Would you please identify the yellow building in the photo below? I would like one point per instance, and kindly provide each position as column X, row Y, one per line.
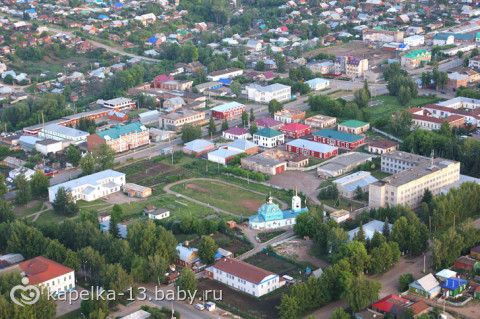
column 407, row 186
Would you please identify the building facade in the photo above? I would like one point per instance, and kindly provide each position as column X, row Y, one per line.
column 351, row 66
column 415, row 58
column 63, row 133
column 265, row 94
column 320, row 121
column 121, row 138
column 313, row 149
column 339, row 139
column 228, row 110
column 267, row 137
column 175, row 121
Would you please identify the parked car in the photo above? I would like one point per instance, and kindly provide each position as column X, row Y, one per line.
column 210, row 306
column 199, row 306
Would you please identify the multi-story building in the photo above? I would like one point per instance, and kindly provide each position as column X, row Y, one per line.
column 339, row 139
column 415, row 58
column 244, row 277
column 58, row 132
column 289, row 116
column 118, row 104
column 322, row 67
column 121, row 138
column 267, row 137
column 228, row 110
column 412, row 175
column 224, row 74
column 91, row 187
column 176, row 120
column 265, row 94
column 424, row 119
column 353, row 126
column 351, row 66
column 295, row 130
column 48, row 274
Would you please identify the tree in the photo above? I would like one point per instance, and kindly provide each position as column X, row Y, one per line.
column 87, row 164
column 360, row 235
column 280, row 62
column 3, row 185
column 224, row 125
column 289, row 307
column 404, row 280
column 361, row 97
column 252, row 115
column 212, row 128
column 361, row 292
column 39, row 184
column 24, row 191
column 253, row 128
column 114, row 277
column 94, row 307
column 207, row 249
column 190, row 133
column 357, row 256
column 115, row 218
column 6, row 212
column 260, row 66
column 64, row 203
column 274, row 106
column 187, row 281
column 236, row 88
column 340, row 313
column 73, row 155
column 427, row 197
column 386, row 228
column 245, row 118
column 104, row 157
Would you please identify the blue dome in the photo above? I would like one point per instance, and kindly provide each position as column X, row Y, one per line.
column 270, row 211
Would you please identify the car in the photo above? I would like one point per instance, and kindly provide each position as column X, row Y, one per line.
column 210, row 306
column 199, row 306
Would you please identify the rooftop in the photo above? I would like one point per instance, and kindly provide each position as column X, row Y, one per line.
column 120, row 130
column 337, row 135
column 227, row 106
column 268, row 132
column 313, row 146
column 41, row 269
column 353, row 123
column 243, row 270
column 64, row 130
column 93, row 179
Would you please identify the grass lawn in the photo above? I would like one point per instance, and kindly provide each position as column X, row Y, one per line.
column 266, row 236
column 31, row 208
column 50, row 217
column 379, row 174
column 235, row 200
column 342, row 203
column 386, row 105
column 278, row 265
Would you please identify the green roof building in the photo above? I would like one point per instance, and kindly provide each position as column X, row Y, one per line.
column 353, row 126
column 267, row 137
column 120, row 138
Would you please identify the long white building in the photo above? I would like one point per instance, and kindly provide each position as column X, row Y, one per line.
column 91, row 187
column 58, row 132
column 265, row 94
column 244, row 277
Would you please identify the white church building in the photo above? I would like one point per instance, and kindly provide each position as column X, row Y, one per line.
column 270, row 216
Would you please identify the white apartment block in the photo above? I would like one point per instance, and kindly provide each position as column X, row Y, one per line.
column 224, row 74
column 351, row 66
column 176, row 120
column 63, row 133
column 91, row 187
column 461, row 102
column 268, row 138
column 399, row 161
column 244, row 277
column 410, row 180
column 265, row 94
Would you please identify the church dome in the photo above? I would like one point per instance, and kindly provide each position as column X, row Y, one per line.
column 270, row 211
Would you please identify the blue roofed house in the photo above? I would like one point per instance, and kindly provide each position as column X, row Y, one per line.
column 187, row 256
column 270, row 216
column 427, row 286
column 452, row 287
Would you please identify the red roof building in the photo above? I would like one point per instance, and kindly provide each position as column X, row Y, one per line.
column 464, row 263
column 159, row 79
column 391, row 304
column 48, row 273
column 295, row 130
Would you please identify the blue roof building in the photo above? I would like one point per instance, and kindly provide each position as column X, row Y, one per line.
column 270, row 216
column 452, row 287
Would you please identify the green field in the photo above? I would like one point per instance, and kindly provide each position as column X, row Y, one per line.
column 227, row 197
column 387, row 105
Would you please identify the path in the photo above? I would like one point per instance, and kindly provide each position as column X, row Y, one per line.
column 258, row 247
column 45, row 206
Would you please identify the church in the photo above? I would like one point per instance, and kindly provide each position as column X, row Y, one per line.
column 270, row 216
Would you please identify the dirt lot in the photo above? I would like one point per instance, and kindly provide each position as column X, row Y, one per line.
column 149, row 173
column 278, row 265
column 357, row 48
column 241, row 303
column 120, row 198
column 299, row 249
column 305, row 182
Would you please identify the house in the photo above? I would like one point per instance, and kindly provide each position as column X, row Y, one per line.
column 149, row 117
column 134, row 190
column 415, row 58
column 235, row 133
column 198, row 147
column 289, row 115
column 464, row 263
column 369, row 229
column 265, row 94
column 48, row 146
column 63, row 133
column 351, row 66
column 339, row 139
column 228, row 110
column 392, row 305
column 244, row 277
column 313, row 149
column 419, row 308
column 320, row 121
column 90, row 187
column 348, row 185
column 339, row 216
column 176, row 120
column 268, row 122
column 254, row 45
column 353, row 127
column 223, row 155
column 155, row 213
column 118, row 104
column 224, row 74
column 173, row 104
column 295, row 130
column 187, row 256
column 426, row 286
column 265, row 164
column 243, row 146
column 382, row 146
column 48, row 274
column 424, row 118
column 452, row 287
column 318, row 84
column 117, row 116
column 444, row 274
column 120, row 138
column 267, row 137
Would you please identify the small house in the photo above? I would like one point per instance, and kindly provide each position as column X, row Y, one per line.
column 187, row 256
column 135, row 190
column 156, row 213
column 426, row 286
column 464, row 263
column 452, row 287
